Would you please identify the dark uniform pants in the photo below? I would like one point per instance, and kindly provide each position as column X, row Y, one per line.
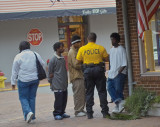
column 60, row 102
column 95, row 76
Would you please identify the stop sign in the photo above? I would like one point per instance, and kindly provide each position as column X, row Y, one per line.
column 35, row 36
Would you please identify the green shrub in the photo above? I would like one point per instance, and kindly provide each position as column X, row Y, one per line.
column 157, row 99
column 139, row 102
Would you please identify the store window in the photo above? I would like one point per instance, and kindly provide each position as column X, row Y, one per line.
column 150, row 56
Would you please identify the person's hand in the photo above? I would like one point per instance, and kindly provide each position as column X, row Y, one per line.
column 50, row 75
column 13, row 87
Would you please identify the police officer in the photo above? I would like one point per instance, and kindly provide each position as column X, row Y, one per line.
column 93, row 56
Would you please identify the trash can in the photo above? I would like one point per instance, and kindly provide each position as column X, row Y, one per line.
column 2, row 84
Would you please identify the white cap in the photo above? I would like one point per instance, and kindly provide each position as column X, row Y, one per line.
column 75, row 41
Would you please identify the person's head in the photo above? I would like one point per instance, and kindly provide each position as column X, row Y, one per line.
column 115, row 38
column 24, row 45
column 58, row 47
column 92, row 37
column 76, row 41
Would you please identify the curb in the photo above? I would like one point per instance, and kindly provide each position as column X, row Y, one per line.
column 10, row 89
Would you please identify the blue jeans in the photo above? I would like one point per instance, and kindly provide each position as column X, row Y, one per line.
column 27, row 96
column 116, row 87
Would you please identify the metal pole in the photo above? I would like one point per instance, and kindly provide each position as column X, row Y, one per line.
column 127, row 45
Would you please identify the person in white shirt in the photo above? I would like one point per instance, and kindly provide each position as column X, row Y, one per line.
column 117, row 73
column 24, row 68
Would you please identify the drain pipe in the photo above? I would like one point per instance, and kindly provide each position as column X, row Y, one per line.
column 127, row 45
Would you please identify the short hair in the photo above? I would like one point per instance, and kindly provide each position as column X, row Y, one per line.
column 24, row 45
column 75, row 37
column 92, row 37
column 116, row 36
column 57, row 45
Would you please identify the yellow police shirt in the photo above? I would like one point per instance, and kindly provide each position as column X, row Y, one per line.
column 91, row 53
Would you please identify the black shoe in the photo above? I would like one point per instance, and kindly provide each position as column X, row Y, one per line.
column 90, row 116
column 106, row 115
column 65, row 116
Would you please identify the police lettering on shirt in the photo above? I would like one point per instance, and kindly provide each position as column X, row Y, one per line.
column 91, row 52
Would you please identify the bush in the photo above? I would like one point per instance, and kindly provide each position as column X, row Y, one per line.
column 157, row 99
column 139, row 102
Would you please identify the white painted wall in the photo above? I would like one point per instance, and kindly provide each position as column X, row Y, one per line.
column 103, row 26
column 14, row 31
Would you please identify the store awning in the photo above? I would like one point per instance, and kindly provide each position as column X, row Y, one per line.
column 26, row 9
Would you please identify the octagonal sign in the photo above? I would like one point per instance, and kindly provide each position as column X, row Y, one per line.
column 35, row 36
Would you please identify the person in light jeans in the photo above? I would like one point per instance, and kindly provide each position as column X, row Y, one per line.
column 24, row 67
column 117, row 73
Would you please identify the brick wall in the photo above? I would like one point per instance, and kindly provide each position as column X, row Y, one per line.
column 149, row 82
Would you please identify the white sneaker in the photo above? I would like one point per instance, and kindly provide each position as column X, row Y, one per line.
column 116, row 109
column 29, row 117
column 80, row 114
column 121, row 106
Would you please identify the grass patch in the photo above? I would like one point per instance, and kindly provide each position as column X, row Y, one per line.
column 121, row 116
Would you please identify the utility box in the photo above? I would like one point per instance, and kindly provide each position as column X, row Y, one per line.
column 2, row 83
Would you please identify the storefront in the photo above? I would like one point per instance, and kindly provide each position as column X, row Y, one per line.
column 143, row 54
column 81, row 17
column 52, row 24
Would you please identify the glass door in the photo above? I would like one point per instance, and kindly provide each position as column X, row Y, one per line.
column 72, row 25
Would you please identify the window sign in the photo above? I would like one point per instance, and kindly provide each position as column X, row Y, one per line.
column 61, row 33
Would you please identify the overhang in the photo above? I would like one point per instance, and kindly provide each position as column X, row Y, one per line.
column 28, row 9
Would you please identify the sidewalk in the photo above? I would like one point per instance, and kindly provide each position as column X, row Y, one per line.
column 11, row 114
column 8, row 86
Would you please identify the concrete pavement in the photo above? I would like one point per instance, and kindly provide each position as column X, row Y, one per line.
column 11, row 113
